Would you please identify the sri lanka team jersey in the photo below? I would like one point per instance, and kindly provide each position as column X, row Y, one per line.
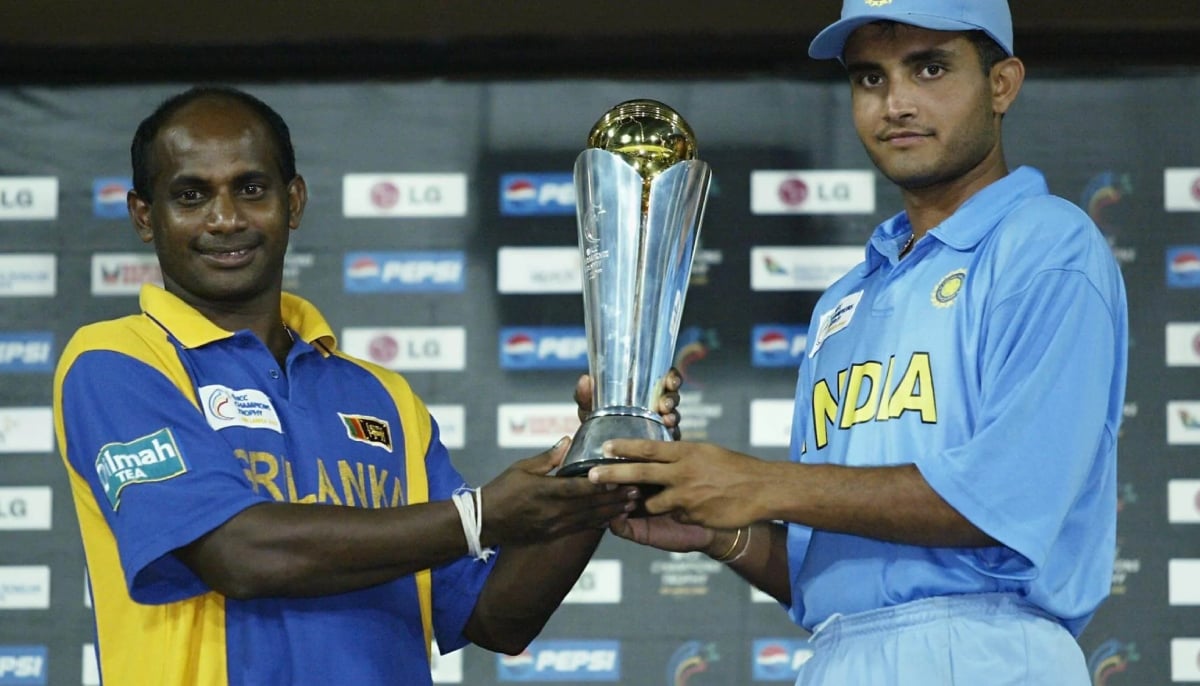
column 169, row 426
column 992, row 357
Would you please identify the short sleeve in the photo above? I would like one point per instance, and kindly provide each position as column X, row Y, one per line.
column 1048, row 355
column 159, row 474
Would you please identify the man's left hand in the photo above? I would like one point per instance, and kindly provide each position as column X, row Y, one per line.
column 668, row 402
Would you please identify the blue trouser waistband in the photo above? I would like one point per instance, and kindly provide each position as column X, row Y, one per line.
column 923, row 611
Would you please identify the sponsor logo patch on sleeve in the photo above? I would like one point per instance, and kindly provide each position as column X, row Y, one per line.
column 155, row 457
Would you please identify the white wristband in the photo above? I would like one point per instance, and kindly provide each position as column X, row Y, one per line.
column 469, row 502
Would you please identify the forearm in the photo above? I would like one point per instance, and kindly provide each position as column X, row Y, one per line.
column 283, row 549
column 763, row 562
column 887, row 503
column 526, row 586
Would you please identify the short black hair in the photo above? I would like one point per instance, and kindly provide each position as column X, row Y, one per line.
column 141, row 150
column 990, row 52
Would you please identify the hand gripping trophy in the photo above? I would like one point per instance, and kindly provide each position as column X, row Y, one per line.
column 639, row 195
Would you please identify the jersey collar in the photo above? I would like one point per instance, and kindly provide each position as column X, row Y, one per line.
column 982, row 212
column 193, row 329
column 305, row 319
column 969, row 224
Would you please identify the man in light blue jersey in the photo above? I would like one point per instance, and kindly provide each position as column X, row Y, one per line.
column 948, row 515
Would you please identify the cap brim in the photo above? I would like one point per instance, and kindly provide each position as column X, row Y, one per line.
column 831, row 43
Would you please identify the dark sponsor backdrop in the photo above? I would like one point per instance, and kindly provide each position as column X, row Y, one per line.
column 491, row 160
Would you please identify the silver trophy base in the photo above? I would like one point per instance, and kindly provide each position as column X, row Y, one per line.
column 585, row 451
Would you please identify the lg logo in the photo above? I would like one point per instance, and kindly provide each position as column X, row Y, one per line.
column 16, row 199
column 17, row 508
column 25, row 508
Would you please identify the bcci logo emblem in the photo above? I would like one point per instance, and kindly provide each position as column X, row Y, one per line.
column 947, row 289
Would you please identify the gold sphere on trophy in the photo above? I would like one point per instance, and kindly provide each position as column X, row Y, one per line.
column 646, row 133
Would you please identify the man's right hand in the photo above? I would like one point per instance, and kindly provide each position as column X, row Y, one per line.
column 525, row 504
column 666, row 532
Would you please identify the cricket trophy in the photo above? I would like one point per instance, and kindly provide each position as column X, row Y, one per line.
column 639, row 198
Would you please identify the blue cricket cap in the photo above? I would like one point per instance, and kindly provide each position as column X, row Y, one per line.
column 990, row 16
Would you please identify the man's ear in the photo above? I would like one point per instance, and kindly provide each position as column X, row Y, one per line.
column 139, row 214
column 297, row 200
column 1006, row 78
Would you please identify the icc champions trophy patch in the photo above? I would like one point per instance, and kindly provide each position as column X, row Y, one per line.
column 947, row 289
column 368, row 430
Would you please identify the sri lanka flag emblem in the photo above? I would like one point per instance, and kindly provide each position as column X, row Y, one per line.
column 366, row 429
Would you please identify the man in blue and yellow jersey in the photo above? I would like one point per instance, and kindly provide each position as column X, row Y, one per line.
column 950, row 502
column 256, row 506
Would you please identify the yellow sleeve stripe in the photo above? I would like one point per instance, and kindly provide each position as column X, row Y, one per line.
column 418, row 432
column 197, row 656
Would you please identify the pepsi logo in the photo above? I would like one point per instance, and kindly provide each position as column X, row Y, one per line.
column 773, row 342
column 773, row 655
column 1186, row 261
column 363, row 267
column 111, row 193
column 519, row 344
column 520, row 190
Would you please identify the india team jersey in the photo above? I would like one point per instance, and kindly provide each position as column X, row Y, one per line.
column 169, row 426
column 992, row 357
